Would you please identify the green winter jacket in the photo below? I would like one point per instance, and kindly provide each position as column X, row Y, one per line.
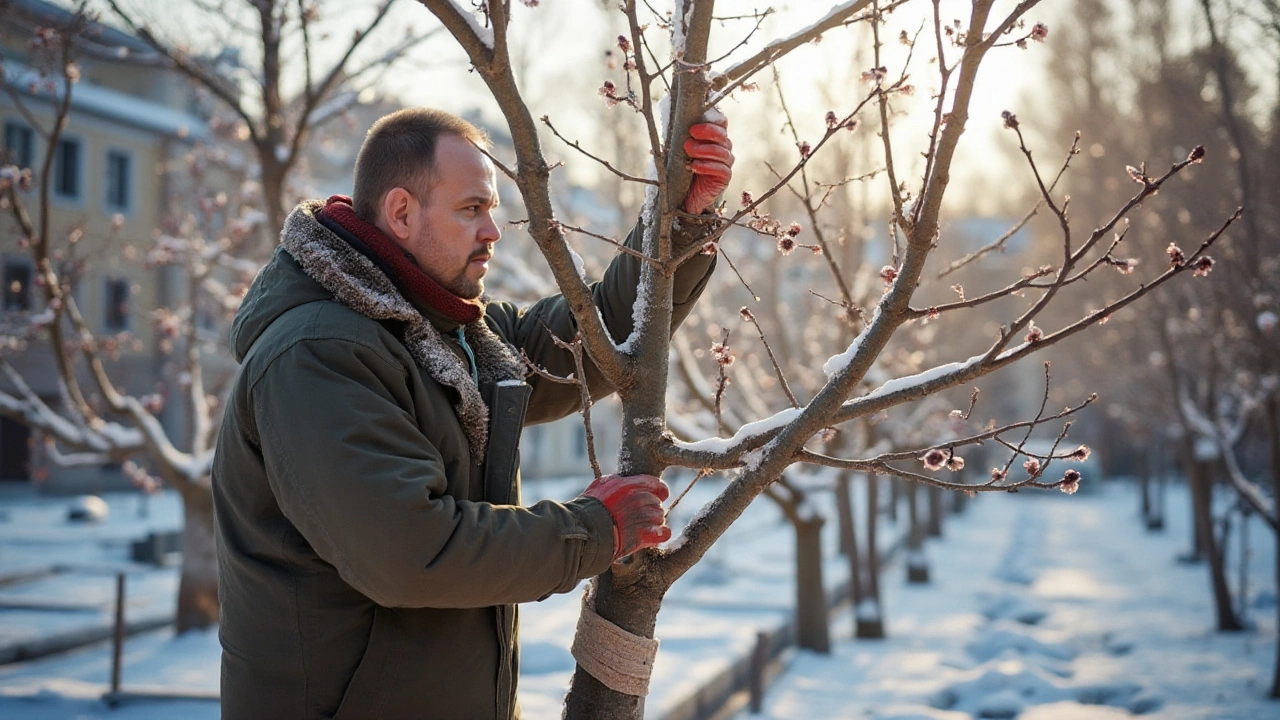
column 371, row 545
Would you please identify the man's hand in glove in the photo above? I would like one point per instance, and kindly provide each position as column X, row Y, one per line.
column 709, row 148
column 635, row 504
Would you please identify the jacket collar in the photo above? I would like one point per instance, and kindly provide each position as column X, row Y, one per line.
column 358, row 282
column 418, row 287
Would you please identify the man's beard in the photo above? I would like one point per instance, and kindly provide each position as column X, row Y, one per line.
column 463, row 286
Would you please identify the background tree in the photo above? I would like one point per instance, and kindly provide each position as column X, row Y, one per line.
column 271, row 67
column 1203, row 358
column 305, row 64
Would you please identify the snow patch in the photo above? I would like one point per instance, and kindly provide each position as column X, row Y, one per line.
column 578, row 264
column 751, row 429
column 484, row 33
column 921, row 378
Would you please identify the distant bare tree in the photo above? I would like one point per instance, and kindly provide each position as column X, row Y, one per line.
column 263, row 61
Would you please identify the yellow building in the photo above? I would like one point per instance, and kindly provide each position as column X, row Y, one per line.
column 110, row 191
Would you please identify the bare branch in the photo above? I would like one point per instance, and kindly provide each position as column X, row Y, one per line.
column 574, row 144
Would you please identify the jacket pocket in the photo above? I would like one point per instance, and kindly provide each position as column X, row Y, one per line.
column 376, row 672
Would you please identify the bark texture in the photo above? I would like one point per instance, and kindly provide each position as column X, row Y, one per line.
column 198, row 586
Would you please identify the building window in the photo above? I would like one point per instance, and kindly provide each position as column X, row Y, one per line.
column 17, row 285
column 117, row 314
column 67, row 175
column 119, row 181
column 20, row 142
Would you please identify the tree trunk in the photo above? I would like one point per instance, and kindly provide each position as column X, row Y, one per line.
column 198, row 586
column 1144, row 483
column 273, row 193
column 871, row 628
column 1199, row 526
column 1273, row 432
column 1202, row 502
column 812, row 626
column 935, row 511
column 849, row 535
column 895, row 491
column 634, row 608
column 917, row 565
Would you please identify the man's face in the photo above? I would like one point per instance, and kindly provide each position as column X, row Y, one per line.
column 452, row 233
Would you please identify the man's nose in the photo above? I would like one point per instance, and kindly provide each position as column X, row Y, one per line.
column 489, row 231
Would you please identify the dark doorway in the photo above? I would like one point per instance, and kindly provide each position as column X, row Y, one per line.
column 15, row 451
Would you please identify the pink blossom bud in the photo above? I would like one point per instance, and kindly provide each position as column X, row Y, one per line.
column 794, row 229
column 888, row 274
column 1070, row 482
column 746, row 198
column 1176, row 258
column 1197, row 154
column 1039, row 32
column 746, row 313
column 805, row 148
column 1032, row 466
column 1034, row 334
column 624, row 44
column 955, row 463
column 1203, row 265
column 786, row 244
column 832, row 120
column 1010, row 120
column 722, row 354
column 934, row 459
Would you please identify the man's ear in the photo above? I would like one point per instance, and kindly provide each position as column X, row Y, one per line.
column 396, row 208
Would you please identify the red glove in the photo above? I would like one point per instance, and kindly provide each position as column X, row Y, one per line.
column 635, row 504
column 708, row 147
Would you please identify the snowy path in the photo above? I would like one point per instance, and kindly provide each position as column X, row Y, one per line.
column 1045, row 607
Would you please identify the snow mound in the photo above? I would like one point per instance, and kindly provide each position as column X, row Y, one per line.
column 1000, row 641
column 1015, row 574
column 1011, row 689
column 1001, row 704
column 87, row 508
column 997, row 691
column 1117, row 645
column 1012, row 607
column 1118, row 694
column 915, row 712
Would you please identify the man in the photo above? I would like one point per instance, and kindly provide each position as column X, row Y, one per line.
column 371, row 544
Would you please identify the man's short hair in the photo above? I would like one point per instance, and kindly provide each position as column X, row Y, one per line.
column 400, row 151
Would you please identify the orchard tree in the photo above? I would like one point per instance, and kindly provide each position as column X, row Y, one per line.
column 621, row 606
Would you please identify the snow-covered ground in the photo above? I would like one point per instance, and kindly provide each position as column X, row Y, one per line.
column 1118, row 625
column 1044, row 607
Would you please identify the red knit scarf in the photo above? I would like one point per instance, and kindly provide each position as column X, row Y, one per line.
column 406, row 272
